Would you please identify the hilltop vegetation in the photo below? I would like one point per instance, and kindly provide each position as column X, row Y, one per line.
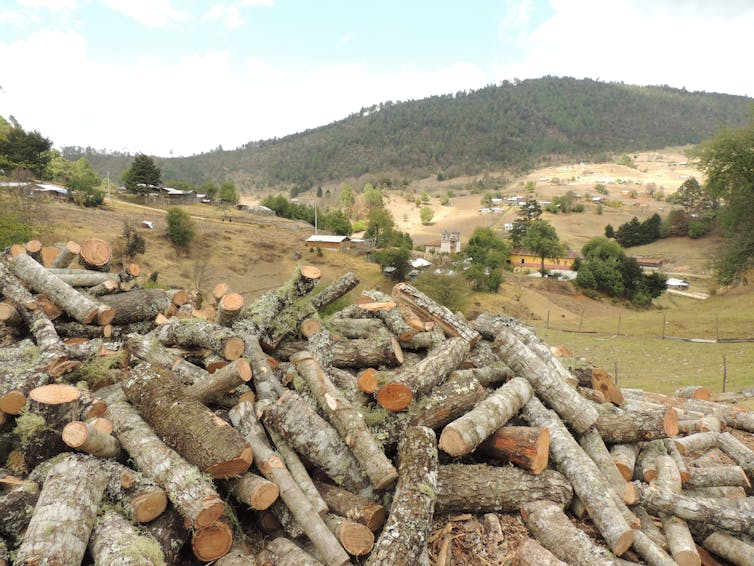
column 512, row 126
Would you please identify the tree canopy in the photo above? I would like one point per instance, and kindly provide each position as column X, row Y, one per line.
column 487, row 253
column 20, row 149
column 143, row 175
column 542, row 239
column 728, row 163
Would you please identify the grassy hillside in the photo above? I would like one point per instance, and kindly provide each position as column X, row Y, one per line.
column 512, row 126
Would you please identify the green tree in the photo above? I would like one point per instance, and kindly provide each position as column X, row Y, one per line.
column 229, row 193
column 337, row 222
column 488, row 253
column 728, row 163
column 134, row 242
column 542, row 239
column 426, row 214
column 347, row 198
column 181, row 229
column 380, row 225
column 142, row 176
column 20, row 149
column 210, row 189
column 395, row 258
column 449, row 290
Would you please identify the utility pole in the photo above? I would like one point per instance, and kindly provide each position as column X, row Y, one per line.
column 108, row 185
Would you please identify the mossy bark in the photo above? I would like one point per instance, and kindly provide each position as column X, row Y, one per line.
column 185, row 424
column 404, row 536
column 138, row 305
column 116, row 541
column 198, row 333
column 63, row 519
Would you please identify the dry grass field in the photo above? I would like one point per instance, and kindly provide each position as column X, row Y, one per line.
column 254, row 254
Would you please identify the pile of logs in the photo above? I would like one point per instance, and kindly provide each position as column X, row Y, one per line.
column 138, row 426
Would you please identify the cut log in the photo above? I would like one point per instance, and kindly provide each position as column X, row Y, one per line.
column 115, row 540
column 253, row 490
column 726, row 514
column 399, row 389
column 586, row 478
column 266, row 384
column 427, row 307
column 34, row 248
column 602, row 382
column 219, row 383
column 17, row 505
column 197, row 333
column 698, row 442
column 624, row 457
column 552, row 528
column 16, row 249
column 107, row 287
column 137, row 305
column 169, row 532
column 464, row 434
column 140, row 498
column 48, row 254
column 228, row 308
column 68, row 253
column 527, row 447
column 738, row 452
column 271, row 465
column 335, row 290
column 352, row 506
column 84, row 277
column 404, row 537
column 346, row 382
column 650, row 551
column 63, row 519
column 531, row 553
column 594, row 446
column 677, row 533
column 693, row 392
column 646, row 465
column 9, row 315
column 190, row 492
column 680, row 463
column 371, row 352
column 87, row 438
column 357, row 328
column 570, row 406
column 347, row 421
column 722, row 475
column 634, row 426
column 355, row 538
column 447, row 402
column 95, row 254
column 185, row 424
column 81, row 307
column 492, row 489
column 730, row 548
column 212, row 542
column 282, row 552
column 146, row 347
column 315, row 439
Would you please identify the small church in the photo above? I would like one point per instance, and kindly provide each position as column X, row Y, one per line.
column 450, row 243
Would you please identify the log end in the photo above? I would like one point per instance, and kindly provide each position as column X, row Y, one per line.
column 212, row 510
column 264, row 496
column 231, row 302
column 367, row 380
column 12, row 402
column 395, row 396
column 374, row 517
column 233, row 348
column 105, row 315
column 311, row 272
column 54, row 394
column 452, row 442
column 356, row 538
column 149, row 506
column 96, row 252
column 542, row 452
column 232, row 468
column 75, row 434
column 310, row 327
column 630, row 494
column 397, row 350
column 670, row 422
column 623, row 542
column 244, row 369
column 220, row 290
column 17, row 249
column 212, row 542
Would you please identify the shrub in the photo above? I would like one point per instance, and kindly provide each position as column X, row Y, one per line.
column 135, row 243
column 181, row 230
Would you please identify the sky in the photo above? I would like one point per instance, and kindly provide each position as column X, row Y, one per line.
column 183, row 77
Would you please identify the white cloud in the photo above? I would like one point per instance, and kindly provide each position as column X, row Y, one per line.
column 346, row 38
column 153, row 13
column 639, row 43
column 52, row 5
column 229, row 14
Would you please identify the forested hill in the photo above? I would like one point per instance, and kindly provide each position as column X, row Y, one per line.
column 512, row 125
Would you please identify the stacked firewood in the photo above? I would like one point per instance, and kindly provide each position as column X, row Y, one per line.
column 138, row 426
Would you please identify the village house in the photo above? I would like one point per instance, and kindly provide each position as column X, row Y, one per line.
column 450, row 243
column 337, row 243
column 521, row 259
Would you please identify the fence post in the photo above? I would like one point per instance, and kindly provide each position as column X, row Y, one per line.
column 581, row 318
column 717, row 327
column 663, row 326
column 725, row 372
column 616, row 372
column 548, row 320
column 618, row 332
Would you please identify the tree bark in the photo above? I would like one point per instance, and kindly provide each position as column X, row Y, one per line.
column 386, row 310
column 451, row 324
column 17, row 506
column 552, row 528
column 531, row 553
column 271, row 465
column 693, row 392
column 253, row 490
column 138, row 305
column 680, row 463
column 358, row 328
column 399, row 389
column 315, row 439
column 404, row 537
column 585, row 477
column 335, row 290
column 677, row 533
column 738, row 452
column 464, row 434
column 282, row 552
column 79, row 306
column 352, row 506
column 216, row 385
column 347, row 421
column 63, row 519
column 447, row 402
column 634, row 426
column 185, row 424
column 229, row 308
column 730, row 548
column 714, row 476
column 646, row 465
column 570, row 406
column 698, row 442
column 366, row 353
column 197, row 333
column 192, row 495
column 115, row 540
column 593, row 445
column 624, row 456
column 492, row 489
column 146, row 347
column 169, row 532
column 83, row 277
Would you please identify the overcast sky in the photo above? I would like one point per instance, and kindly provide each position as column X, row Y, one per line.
column 185, row 76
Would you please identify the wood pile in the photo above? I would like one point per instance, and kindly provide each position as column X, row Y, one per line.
column 138, row 426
